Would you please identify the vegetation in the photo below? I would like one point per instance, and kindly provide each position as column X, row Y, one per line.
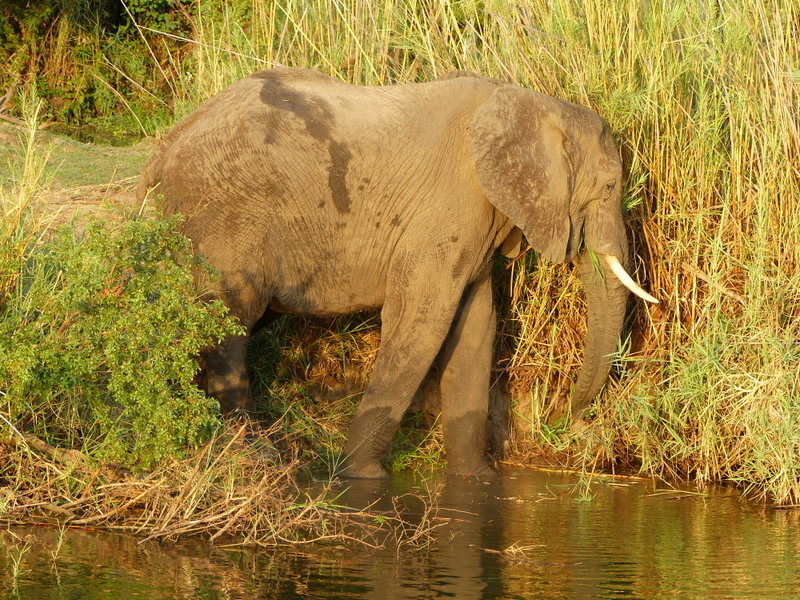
column 101, row 423
column 702, row 100
column 99, row 343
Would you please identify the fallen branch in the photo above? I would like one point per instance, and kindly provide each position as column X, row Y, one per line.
column 12, row 120
column 59, row 511
column 69, row 458
column 5, row 99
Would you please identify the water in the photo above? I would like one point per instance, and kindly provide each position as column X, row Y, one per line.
column 627, row 542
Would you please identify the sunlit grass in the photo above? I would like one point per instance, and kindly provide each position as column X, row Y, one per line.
column 702, row 99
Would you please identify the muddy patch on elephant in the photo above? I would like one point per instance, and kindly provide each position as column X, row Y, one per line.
column 318, row 119
column 337, row 175
column 313, row 111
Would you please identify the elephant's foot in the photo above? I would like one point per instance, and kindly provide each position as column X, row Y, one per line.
column 363, row 469
column 480, row 469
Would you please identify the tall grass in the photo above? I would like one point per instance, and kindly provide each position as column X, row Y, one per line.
column 703, row 100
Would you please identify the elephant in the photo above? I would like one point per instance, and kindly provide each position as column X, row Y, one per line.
column 312, row 196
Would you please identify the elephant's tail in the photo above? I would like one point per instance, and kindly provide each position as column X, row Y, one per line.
column 150, row 176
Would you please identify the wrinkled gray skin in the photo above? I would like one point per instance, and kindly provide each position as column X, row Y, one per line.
column 317, row 197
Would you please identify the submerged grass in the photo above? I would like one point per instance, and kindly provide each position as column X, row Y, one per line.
column 702, row 99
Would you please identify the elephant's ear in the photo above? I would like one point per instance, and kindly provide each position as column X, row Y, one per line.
column 522, row 163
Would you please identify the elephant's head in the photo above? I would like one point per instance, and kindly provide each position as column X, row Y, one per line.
column 553, row 170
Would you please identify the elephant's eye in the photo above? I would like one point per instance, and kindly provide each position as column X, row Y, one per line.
column 610, row 187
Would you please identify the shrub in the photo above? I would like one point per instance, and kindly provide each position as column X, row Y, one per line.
column 99, row 340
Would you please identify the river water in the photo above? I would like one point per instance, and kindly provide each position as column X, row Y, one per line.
column 529, row 534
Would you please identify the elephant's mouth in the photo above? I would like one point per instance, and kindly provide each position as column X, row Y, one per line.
column 626, row 280
column 577, row 239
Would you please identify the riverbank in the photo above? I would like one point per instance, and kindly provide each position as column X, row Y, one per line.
column 705, row 387
column 237, row 489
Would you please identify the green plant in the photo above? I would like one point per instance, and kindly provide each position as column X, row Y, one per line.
column 61, row 535
column 100, row 342
column 100, row 327
column 16, row 555
column 418, row 445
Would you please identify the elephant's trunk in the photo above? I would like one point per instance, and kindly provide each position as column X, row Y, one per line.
column 606, row 298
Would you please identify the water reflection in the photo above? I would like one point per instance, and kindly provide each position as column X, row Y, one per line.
column 625, row 543
column 523, row 536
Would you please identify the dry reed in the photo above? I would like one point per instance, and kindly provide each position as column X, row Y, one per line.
column 234, row 490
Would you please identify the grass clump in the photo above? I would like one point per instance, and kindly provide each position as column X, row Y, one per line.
column 730, row 405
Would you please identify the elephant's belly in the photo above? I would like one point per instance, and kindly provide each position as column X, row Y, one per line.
column 330, row 271
column 321, row 309
column 323, row 298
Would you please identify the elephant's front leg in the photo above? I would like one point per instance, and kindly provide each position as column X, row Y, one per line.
column 466, row 367
column 413, row 329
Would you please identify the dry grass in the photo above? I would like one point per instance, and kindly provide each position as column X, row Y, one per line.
column 235, row 490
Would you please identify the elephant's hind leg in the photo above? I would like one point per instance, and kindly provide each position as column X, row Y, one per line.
column 226, row 374
column 225, row 365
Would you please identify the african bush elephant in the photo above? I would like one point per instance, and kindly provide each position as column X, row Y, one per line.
column 313, row 196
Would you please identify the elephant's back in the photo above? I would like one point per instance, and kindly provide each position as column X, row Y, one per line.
column 277, row 138
column 335, row 172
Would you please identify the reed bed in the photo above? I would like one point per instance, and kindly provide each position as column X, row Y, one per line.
column 703, row 101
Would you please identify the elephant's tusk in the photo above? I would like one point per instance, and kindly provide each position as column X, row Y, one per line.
column 626, row 279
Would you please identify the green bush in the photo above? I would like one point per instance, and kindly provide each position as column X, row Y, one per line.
column 99, row 339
